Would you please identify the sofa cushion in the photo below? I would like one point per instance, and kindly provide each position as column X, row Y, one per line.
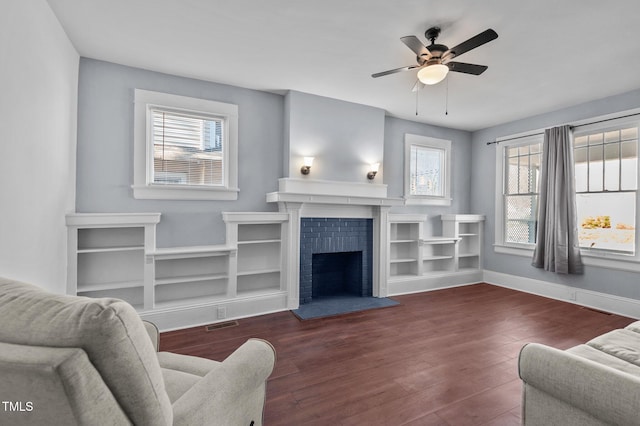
column 178, row 382
column 623, row 344
column 593, row 354
column 108, row 330
column 635, row 326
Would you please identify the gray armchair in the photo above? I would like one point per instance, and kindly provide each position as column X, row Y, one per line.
column 78, row 361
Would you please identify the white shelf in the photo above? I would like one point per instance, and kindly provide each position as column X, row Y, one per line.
column 403, row 241
column 190, row 252
column 110, row 249
column 190, row 279
column 404, row 260
column 258, row 272
column 427, row 258
column 440, row 240
column 469, row 255
column 84, row 288
column 259, row 242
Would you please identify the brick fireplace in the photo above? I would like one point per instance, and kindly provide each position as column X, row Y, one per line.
column 335, row 257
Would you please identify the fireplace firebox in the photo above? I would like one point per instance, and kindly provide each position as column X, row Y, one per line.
column 335, row 257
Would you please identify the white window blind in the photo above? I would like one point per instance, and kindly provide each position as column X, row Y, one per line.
column 187, row 148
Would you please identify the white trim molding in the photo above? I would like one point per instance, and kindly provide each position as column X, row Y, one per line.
column 587, row 298
column 143, row 187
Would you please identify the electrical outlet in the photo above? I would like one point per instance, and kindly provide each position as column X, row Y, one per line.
column 222, row 312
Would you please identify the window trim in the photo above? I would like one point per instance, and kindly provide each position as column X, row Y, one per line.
column 609, row 260
column 431, row 143
column 143, row 187
column 519, row 140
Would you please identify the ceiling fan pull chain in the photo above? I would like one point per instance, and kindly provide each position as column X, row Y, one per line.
column 417, row 91
column 446, row 102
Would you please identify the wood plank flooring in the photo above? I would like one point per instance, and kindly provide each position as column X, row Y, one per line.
column 446, row 357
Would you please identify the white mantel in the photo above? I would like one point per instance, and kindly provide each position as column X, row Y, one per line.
column 348, row 194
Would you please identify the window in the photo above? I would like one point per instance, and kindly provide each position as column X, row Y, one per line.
column 427, row 170
column 184, row 148
column 606, row 163
column 606, row 177
column 520, row 194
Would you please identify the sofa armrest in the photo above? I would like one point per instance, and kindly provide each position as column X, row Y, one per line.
column 233, row 393
column 153, row 332
column 605, row 393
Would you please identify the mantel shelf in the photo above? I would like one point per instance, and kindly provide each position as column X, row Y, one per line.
column 274, row 197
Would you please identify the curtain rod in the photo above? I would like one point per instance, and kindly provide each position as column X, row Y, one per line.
column 584, row 124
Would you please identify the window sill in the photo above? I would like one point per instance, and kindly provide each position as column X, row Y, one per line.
column 175, row 192
column 630, row 264
column 409, row 201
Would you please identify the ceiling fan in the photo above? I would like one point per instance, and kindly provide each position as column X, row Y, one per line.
column 435, row 61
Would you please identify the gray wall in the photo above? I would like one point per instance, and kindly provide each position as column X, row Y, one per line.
column 483, row 177
column 38, row 106
column 274, row 131
column 105, row 150
column 343, row 137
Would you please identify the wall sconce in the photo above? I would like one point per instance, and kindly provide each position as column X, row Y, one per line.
column 374, row 170
column 307, row 163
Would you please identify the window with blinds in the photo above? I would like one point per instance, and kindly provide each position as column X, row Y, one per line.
column 188, row 148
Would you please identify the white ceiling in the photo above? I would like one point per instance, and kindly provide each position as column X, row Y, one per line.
column 550, row 54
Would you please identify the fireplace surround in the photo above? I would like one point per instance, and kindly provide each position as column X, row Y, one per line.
column 321, row 240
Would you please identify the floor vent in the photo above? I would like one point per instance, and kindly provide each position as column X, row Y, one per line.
column 597, row 310
column 226, row 324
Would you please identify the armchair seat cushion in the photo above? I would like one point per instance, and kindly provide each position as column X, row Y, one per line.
column 182, row 372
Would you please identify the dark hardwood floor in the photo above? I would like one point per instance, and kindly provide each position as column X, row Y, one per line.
column 446, row 357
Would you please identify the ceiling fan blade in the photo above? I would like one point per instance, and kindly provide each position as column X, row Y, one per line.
column 418, row 86
column 467, row 68
column 383, row 73
column 414, row 43
column 472, row 43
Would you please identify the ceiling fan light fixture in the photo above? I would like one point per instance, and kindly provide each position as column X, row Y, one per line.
column 433, row 74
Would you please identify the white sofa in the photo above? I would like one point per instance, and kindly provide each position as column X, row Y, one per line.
column 597, row 383
column 68, row 360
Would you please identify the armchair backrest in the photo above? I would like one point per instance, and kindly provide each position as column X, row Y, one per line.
column 109, row 331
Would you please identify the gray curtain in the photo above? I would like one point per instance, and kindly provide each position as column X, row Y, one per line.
column 557, row 247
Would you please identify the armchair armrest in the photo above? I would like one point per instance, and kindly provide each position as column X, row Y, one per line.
column 233, row 393
column 605, row 393
column 153, row 332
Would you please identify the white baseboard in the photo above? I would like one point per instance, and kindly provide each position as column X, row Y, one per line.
column 409, row 285
column 196, row 315
column 592, row 299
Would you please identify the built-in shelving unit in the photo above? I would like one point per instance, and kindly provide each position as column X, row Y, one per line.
column 259, row 239
column 404, row 245
column 191, row 275
column 115, row 255
column 469, row 229
column 438, row 254
column 418, row 262
column 255, row 270
column 107, row 255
